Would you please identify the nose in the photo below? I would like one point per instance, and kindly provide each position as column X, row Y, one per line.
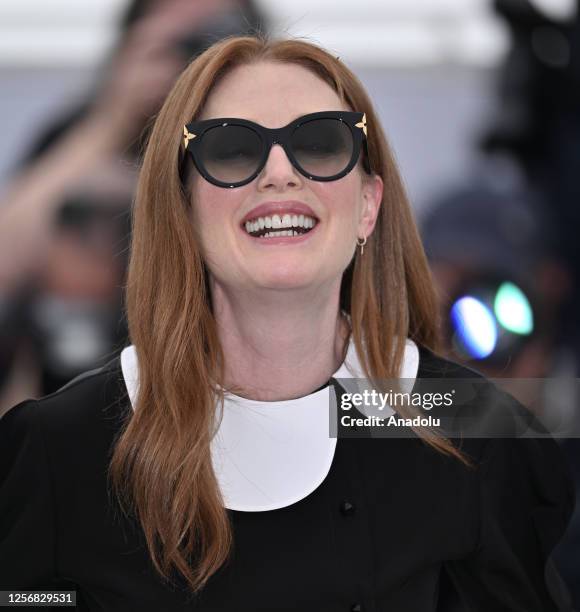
column 278, row 173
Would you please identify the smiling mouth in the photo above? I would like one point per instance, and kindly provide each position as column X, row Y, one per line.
column 274, row 226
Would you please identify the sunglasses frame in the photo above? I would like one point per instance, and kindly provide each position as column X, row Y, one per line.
column 356, row 122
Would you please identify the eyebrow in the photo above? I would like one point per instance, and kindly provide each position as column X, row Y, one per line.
column 254, row 120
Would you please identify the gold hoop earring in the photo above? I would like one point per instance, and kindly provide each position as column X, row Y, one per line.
column 362, row 244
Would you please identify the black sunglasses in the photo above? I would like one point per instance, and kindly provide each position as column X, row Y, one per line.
column 323, row 146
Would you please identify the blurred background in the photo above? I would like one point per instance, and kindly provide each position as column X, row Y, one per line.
column 480, row 100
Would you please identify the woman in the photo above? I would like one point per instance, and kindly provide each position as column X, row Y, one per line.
column 260, row 509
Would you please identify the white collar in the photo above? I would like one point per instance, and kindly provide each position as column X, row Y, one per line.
column 269, row 455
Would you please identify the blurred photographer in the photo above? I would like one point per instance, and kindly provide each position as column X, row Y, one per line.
column 53, row 233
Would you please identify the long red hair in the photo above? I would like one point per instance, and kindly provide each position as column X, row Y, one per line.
column 161, row 466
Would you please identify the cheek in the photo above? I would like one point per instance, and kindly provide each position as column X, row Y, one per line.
column 214, row 208
column 207, row 204
column 340, row 200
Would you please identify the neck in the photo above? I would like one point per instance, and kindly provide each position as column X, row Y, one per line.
column 278, row 347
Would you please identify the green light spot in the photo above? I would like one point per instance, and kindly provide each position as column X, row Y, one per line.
column 513, row 309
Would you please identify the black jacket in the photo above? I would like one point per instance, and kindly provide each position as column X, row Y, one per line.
column 396, row 526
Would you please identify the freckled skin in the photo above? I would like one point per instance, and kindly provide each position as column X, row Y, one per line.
column 273, row 95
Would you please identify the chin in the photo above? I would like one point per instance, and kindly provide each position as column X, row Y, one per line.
column 285, row 279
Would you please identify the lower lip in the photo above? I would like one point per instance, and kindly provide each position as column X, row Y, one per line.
column 283, row 239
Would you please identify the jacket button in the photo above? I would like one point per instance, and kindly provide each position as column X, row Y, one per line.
column 356, row 608
column 347, row 509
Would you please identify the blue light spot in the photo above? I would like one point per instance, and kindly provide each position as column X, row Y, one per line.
column 475, row 327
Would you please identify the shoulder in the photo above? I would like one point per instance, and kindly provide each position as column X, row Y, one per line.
column 498, row 430
column 94, row 402
column 478, row 406
column 433, row 365
column 524, row 477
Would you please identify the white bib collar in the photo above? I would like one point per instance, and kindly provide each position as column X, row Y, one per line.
column 269, row 455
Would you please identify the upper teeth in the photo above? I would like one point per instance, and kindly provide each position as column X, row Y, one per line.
column 275, row 221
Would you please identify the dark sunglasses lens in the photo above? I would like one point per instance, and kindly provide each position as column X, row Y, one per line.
column 231, row 153
column 323, row 147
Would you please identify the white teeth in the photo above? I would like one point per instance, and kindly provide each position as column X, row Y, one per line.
column 277, row 222
column 281, row 233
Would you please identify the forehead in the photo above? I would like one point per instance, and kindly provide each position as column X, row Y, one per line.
column 270, row 93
